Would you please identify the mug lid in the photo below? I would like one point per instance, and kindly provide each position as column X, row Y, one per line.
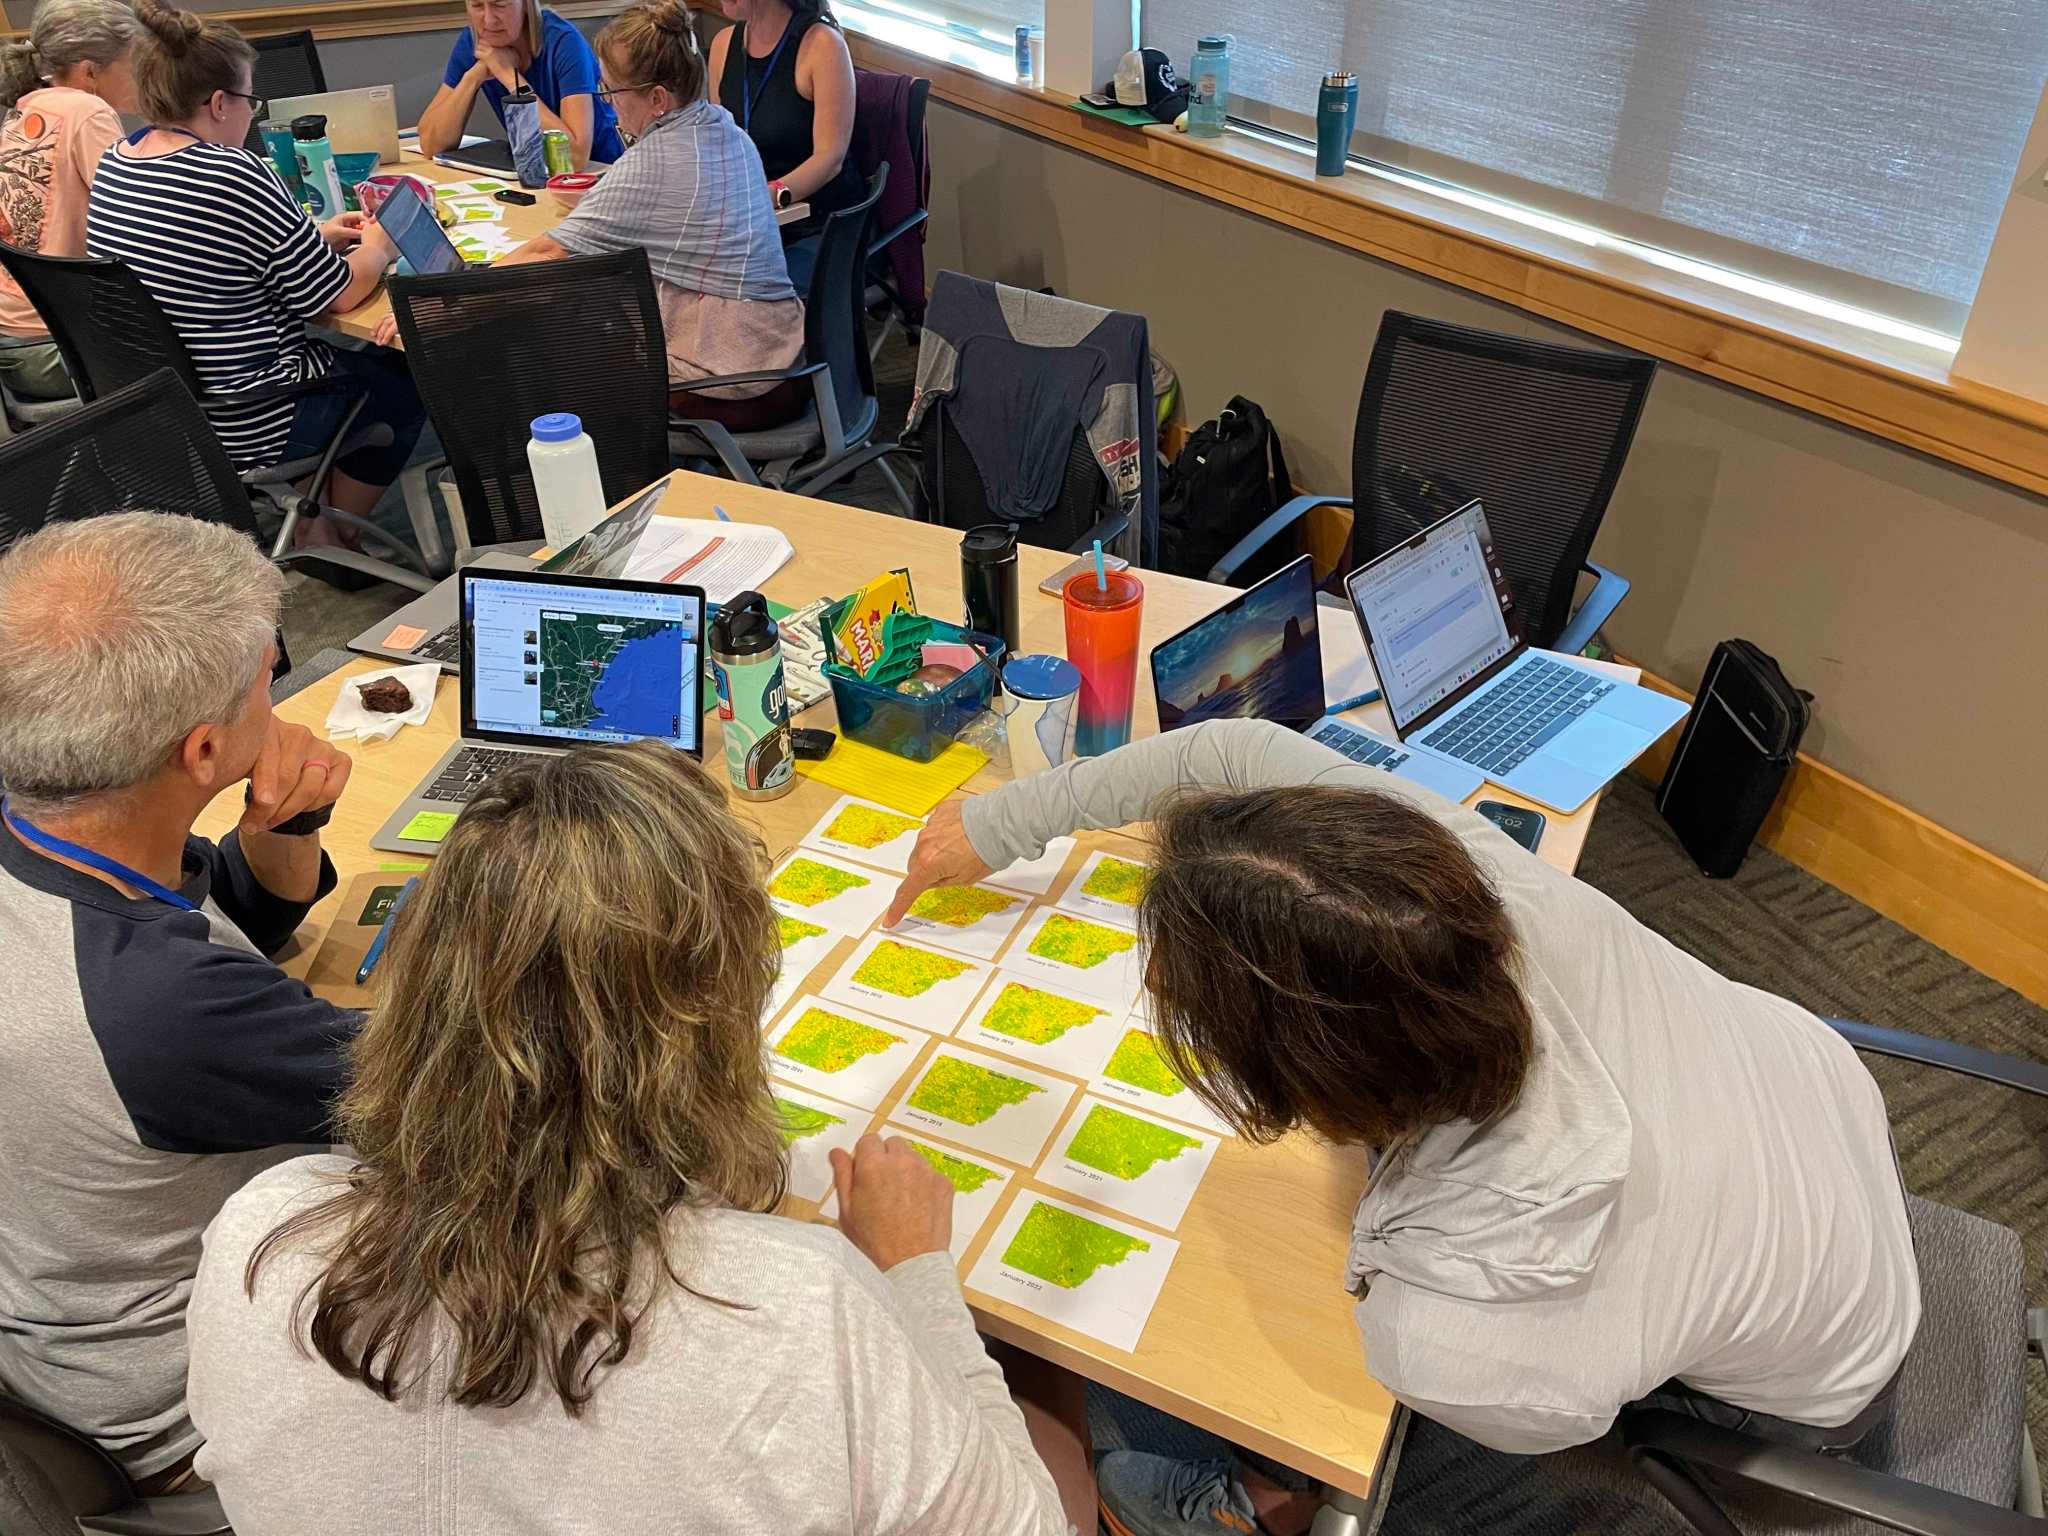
column 1039, row 676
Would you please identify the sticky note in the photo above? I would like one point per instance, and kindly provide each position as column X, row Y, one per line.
column 404, row 637
column 428, row 826
column 408, row 868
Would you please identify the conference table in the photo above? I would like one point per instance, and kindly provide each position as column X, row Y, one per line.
column 1252, row 1336
column 522, row 223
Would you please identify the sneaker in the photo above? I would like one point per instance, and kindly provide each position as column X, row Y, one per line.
column 1146, row 1495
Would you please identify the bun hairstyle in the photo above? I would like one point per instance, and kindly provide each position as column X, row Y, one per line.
column 183, row 59
column 65, row 33
column 655, row 43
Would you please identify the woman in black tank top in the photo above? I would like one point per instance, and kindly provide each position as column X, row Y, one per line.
column 785, row 75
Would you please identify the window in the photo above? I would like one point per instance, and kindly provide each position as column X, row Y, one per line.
column 980, row 34
column 1857, row 149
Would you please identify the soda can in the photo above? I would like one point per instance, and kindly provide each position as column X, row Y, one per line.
column 559, row 152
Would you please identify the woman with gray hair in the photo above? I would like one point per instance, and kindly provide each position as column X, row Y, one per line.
column 62, row 90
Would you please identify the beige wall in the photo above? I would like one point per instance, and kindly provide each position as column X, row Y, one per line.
column 1910, row 597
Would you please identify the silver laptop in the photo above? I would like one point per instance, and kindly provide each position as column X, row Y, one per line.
column 552, row 662
column 358, row 121
column 424, row 629
column 1437, row 615
column 1260, row 657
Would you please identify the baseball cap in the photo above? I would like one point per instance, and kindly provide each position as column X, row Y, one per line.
column 1145, row 80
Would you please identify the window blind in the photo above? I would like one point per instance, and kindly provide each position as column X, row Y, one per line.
column 1861, row 149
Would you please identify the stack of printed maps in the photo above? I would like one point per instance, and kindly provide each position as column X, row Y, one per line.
column 1000, row 1029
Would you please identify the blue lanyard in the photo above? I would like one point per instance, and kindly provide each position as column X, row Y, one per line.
column 748, row 93
column 78, row 852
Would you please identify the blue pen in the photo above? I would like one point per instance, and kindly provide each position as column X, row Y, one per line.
column 1370, row 696
column 723, row 515
column 384, row 933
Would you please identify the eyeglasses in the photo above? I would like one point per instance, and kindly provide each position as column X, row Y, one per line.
column 257, row 104
column 607, row 92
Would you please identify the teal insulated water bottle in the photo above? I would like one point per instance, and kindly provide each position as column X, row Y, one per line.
column 319, row 181
column 1209, row 88
column 1336, row 117
column 746, row 665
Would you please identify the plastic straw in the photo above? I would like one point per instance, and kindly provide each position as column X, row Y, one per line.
column 1101, row 576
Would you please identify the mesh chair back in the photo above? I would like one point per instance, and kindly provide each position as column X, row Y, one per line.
column 952, row 492
column 491, row 350
column 147, row 447
column 49, row 1475
column 287, row 64
column 1539, row 432
column 107, row 328
column 835, row 327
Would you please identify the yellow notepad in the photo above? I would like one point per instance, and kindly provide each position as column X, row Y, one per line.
column 897, row 782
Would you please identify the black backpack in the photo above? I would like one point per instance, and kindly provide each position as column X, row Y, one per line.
column 1219, row 490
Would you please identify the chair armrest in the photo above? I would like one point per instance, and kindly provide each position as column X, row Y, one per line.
column 1599, row 606
column 773, row 376
column 1969, row 1060
column 1269, row 530
column 333, row 383
column 1827, row 1481
column 1109, row 530
column 882, row 242
column 177, row 1514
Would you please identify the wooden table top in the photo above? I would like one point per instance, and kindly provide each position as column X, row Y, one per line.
column 524, row 224
column 1252, row 1336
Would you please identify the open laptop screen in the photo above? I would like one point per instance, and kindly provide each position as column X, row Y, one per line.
column 405, row 217
column 562, row 661
column 1432, row 614
column 1257, row 659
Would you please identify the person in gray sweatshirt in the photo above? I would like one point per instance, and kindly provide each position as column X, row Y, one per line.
column 1601, row 1170
column 547, row 1291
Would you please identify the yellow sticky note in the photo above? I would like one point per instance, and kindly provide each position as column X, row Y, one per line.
column 897, row 782
column 382, row 868
column 428, row 826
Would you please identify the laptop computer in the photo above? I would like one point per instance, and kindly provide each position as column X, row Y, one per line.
column 424, row 629
column 553, row 662
column 1461, row 686
column 358, row 121
column 1260, row 657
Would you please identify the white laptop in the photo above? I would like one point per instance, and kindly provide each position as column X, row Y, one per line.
column 358, row 121
column 551, row 662
column 1460, row 684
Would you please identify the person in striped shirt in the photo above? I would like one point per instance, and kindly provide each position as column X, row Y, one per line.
column 239, row 268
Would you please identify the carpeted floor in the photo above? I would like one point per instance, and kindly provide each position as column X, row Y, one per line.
column 1963, row 1143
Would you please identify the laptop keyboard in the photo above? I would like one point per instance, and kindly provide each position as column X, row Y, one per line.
column 468, row 771
column 1498, row 732
column 443, row 645
column 1358, row 746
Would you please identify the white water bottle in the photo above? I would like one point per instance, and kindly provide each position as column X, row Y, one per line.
column 565, row 478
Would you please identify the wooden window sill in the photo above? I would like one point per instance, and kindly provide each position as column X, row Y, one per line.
column 1894, row 389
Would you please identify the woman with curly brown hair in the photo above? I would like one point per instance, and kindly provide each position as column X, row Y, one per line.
column 547, row 1290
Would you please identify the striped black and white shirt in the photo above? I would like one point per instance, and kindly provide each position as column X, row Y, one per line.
column 237, row 266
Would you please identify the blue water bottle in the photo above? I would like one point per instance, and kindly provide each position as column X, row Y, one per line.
column 522, row 127
column 1209, row 88
column 1336, row 116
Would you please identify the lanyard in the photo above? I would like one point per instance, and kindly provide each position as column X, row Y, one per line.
column 30, row 832
column 748, row 92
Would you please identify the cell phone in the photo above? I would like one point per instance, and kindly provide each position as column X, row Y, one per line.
column 1097, row 99
column 512, row 195
column 1522, row 824
column 1057, row 581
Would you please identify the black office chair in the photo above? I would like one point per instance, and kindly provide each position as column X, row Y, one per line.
column 834, row 435
column 493, row 349
column 1952, row 1456
column 17, row 413
column 950, row 491
column 884, row 296
column 1538, row 432
column 55, row 1482
column 111, row 333
column 287, row 64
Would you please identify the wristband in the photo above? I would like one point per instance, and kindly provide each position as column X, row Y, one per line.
column 305, row 824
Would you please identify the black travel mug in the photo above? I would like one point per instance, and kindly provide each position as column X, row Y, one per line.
column 988, row 581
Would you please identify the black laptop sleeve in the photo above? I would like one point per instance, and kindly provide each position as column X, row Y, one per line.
column 1737, row 747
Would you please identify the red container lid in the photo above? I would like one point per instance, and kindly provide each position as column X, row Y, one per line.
column 1122, row 589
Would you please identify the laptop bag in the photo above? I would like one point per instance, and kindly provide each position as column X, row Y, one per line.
column 1732, row 758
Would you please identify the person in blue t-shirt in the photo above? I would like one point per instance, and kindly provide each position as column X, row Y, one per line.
column 510, row 43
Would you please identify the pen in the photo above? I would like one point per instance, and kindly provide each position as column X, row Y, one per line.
column 1370, row 696
column 723, row 515
column 384, row 933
